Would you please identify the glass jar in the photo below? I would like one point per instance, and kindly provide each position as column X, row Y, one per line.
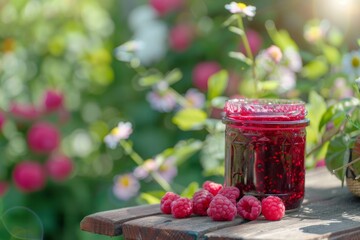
column 265, row 148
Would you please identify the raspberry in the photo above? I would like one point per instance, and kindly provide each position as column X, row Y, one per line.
column 273, row 208
column 166, row 200
column 181, row 208
column 212, row 187
column 221, row 209
column 201, row 202
column 29, row 176
column 249, row 207
column 202, row 73
column 232, row 193
column 59, row 167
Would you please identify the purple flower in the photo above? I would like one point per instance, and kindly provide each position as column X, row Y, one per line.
column 125, row 186
column 195, row 98
column 143, row 171
column 168, row 169
column 162, row 101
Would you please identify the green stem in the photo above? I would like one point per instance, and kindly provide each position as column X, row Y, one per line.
column 346, row 165
column 179, row 98
column 139, row 161
column 130, row 151
column 161, row 181
column 249, row 53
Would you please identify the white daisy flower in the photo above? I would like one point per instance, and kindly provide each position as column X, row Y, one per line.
column 241, row 8
column 122, row 131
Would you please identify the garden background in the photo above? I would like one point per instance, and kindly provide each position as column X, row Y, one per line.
column 70, row 71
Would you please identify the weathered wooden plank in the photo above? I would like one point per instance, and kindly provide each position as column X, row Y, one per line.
column 321, row 186
column 335, row 218
column 110, row 222
column 167, row 227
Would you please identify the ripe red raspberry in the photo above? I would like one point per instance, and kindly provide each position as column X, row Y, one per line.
column 29, row 176
column 232, row 193
column 201, row 201
column 221, row 209
column 59, row 167
column 212, row 187
column 166, row 200
column 202, row 73
column 249, row 207
column 273, row 208
column 180, row 37
column 53, row 100
column 181, row 208
column 43, row 137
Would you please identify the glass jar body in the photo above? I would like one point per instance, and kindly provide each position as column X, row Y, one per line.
column 266, row 157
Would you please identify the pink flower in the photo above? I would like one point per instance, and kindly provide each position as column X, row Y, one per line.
column 195, row 98
column 59, row 167
column 162, row 101
column 53, row 100
column 2, row 119
column 4, row 186
column 274, row 52
column 122, row 131
column 25, row 112
column 255, row 42
column 165, row 6
column 43, row 137
column 29, row 176
column 180, row 37
column 168, row 169
column 202, row 72
column 320, row 163
column 125, row 186
column 143, row 171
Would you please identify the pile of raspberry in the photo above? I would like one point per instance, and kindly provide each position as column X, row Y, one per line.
column 222, row 204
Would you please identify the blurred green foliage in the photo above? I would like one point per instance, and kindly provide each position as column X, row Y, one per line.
column 69, row 45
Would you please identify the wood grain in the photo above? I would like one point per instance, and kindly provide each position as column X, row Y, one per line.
column 110, row 222
column 328, row 212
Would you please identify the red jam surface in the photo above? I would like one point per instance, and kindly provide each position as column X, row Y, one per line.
column 265, row 148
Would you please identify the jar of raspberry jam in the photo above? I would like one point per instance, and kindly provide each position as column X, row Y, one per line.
column 265, row 148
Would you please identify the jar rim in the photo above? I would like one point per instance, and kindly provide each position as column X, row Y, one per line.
column 265, row 109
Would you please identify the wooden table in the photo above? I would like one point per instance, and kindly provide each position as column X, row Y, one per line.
column 328, row 212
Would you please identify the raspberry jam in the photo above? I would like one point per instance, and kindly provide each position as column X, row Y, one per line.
column 265, row 148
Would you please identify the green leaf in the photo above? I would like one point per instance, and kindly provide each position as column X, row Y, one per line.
column 236, row 30
column 230, row 20
column 358, row 42
column 173, row 76
column 213, row 153
column 281, row 38
column 316, row 108
column 335, row 37
column 240, row 56
column 337, row 112
column 149, row 80
column 190, row 190
column 153, row 197
column 338, row 155
column 332, row 54
column 185, row 149
column 190, row 119
column 219, row 102
column 315, row 69
column 217, row 84
column 269, row 85
column 23, row 223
